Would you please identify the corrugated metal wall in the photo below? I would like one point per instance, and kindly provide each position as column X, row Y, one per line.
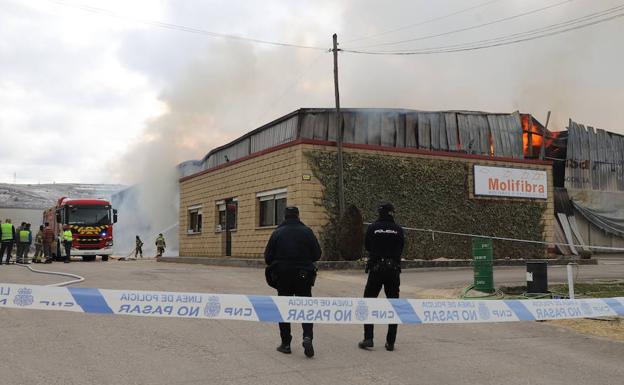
column 473, row 133
column 228, row 154
column 468, row 132
column 594, row 160
column 283, row 132
column 280, row 133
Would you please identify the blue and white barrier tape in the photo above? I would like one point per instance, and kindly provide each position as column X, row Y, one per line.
column 300, row 309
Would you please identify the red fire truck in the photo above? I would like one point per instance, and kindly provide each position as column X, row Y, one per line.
column 91, row 222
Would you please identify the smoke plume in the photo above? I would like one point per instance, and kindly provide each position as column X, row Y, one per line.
column 216, row 90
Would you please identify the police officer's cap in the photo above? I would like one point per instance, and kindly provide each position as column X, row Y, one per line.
column 291, row 212
column 386, row 208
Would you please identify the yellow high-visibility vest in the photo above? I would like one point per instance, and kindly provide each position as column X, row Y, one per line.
column 67, row 235
column 23, row 236
column 7, row 232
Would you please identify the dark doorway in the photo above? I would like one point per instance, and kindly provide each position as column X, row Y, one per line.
column 231, row 207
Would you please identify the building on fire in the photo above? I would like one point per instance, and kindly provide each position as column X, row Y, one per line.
column 461, row 171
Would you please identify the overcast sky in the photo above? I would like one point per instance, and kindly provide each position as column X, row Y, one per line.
column 90, row 92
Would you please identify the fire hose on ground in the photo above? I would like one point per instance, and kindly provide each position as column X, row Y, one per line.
column 76, row 278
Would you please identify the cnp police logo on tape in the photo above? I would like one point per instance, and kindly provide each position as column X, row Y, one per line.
column 484, row 311
column 586, row 309
column 212, row 307
column 24, row 297
column 361, row 311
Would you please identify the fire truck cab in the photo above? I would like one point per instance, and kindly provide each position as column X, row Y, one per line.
column 91, row 223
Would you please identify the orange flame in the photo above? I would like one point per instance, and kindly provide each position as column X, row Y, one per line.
column 535, row 131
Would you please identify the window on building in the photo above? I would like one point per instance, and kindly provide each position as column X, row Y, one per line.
column 271, row 206
column 220, row 216
column 227, row 210
column 194, row 220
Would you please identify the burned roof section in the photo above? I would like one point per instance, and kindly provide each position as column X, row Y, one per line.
column 594, row 159
column 470, row 132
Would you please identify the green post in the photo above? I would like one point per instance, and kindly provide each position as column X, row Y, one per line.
column 483, row 259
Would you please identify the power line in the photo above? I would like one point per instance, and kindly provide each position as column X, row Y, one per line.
column 543, row 29
column 427, row 21
column 533, row 11
column 536, row 31
column 509, row 39
column 183, row 28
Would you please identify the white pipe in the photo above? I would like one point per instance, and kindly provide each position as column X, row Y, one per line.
column 570, row 280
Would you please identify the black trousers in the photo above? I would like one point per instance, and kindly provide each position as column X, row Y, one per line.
column 8, row 246
column 67, row 250
column 390, row 280
column 289, row 283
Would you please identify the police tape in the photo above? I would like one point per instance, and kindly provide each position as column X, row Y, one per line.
column 330, row 310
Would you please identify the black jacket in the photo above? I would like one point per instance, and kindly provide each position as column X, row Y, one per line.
column 292, row 244
column 384, row 239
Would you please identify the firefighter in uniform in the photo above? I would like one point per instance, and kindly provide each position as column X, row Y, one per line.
column 384, row 243
column 48, row 239
column 290, row 255
column 138, row 250
column 67, row 242
column 7, row 236
column 38, row 245
column 160, row 245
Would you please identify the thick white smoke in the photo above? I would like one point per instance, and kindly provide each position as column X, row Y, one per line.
column 216, row 90
column 213, row 100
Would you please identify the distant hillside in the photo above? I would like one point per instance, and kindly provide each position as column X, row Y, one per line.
column 40, row 196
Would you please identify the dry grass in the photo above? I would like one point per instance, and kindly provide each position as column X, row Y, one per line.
column 609, row 329
column 612, row 329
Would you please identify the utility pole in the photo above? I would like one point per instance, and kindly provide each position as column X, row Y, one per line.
column 339, row 132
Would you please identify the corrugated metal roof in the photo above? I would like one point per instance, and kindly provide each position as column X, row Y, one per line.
column 472, row 132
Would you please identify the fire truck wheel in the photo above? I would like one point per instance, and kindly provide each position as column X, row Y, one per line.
column 104, row 258
column 88, row 258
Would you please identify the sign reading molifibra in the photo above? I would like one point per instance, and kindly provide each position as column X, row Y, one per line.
column 510, row 182
column 300, row 309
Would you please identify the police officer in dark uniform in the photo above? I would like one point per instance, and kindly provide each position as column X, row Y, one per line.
column 290, row 255
column 384, row 243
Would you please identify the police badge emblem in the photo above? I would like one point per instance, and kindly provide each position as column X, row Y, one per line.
column 24, row 297
column 213, row 306
column 484, row 311
column 361, row 311
column 586, row 309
